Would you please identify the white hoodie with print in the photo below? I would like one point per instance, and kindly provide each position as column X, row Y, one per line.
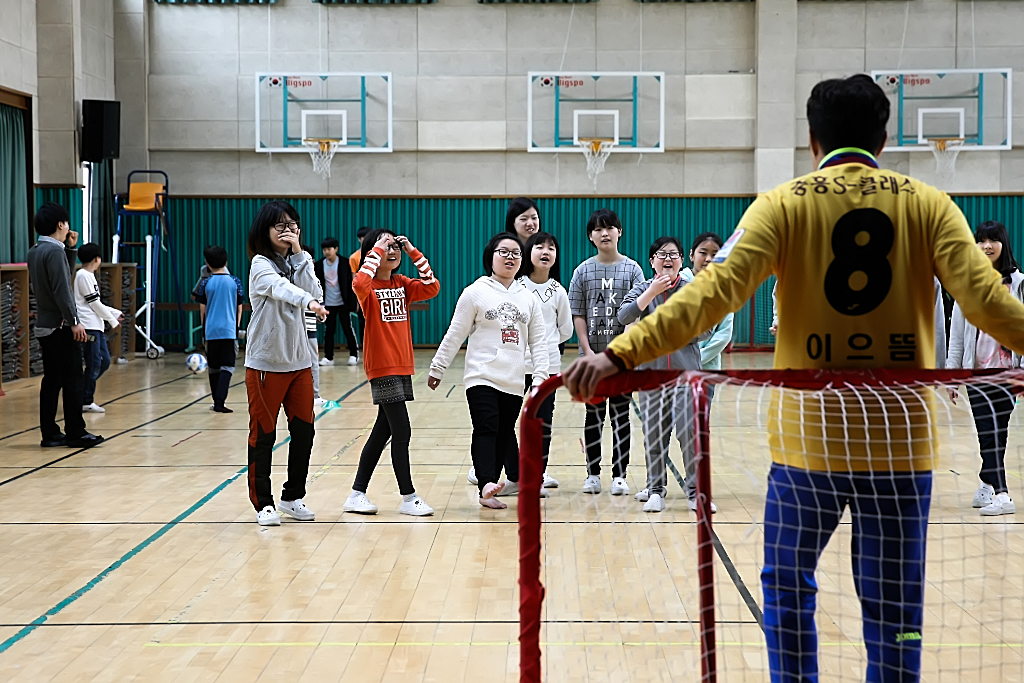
column 502, row 325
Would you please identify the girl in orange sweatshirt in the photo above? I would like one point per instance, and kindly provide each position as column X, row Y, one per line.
column 384, row 297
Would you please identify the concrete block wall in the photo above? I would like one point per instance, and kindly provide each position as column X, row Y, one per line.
column 18, row 55
column 738, row 75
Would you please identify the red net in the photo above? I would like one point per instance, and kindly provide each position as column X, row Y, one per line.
column 849, row 545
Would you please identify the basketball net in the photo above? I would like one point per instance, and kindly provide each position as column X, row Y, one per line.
column 321, row 151
column 945, row 151
column 595, row 151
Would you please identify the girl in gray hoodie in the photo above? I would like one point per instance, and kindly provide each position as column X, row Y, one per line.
column 669, row 408
column 282, row 285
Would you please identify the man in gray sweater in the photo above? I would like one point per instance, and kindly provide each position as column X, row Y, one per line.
column 50, row 265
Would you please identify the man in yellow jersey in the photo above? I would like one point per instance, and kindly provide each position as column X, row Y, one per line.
column 855, row 249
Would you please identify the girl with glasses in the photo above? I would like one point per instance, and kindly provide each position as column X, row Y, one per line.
column 384, row 297
column 282, row 286
column 669, row 408
column 503, row 321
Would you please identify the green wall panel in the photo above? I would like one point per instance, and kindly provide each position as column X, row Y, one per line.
column 68, row 197
column 452, row 232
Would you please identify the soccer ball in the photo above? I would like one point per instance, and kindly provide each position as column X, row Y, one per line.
column 196, row 363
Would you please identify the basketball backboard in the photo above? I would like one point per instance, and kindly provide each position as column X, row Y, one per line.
column 567, row 107
column 975, row 105
column 354, row 108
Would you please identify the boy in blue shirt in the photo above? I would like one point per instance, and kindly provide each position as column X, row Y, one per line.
column 220, row 300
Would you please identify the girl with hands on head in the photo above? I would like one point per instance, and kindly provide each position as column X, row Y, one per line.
column 384, row 296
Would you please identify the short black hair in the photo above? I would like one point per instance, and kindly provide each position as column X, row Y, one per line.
column 516, row 208
column 370, row 239
column 996, row 231
column 48, row 217
column 362, row 232
column 89, row 252
column 657, row 244
column 704, row 237
column 540, row 238
column 267, row 217
column 215, row 256
column 848, row 112
column 492, row 246
column 329, row 242
column 603, row 218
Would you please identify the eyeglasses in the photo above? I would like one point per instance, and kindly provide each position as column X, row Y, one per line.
column 505, row 253
column 394, row 246
column 282, row 227
column 668, row 255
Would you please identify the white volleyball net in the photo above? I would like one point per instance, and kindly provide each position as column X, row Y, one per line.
column 860, row 531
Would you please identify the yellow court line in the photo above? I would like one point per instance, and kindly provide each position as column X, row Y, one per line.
column 510, row 643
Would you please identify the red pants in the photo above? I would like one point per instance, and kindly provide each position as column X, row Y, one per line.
column 268, row 391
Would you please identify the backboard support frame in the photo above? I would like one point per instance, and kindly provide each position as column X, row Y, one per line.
column 975, row 139
column 353, row 144
column 623, row 144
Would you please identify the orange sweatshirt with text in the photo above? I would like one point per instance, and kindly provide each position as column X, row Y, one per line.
column 387, row 336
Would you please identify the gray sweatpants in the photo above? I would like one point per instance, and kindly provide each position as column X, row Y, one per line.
column 314, row 350
column 663, row 412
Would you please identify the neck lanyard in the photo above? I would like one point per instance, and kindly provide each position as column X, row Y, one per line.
column 848, row 155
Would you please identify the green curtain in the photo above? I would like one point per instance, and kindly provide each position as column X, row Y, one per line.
column 14, row 225
column 104, row 213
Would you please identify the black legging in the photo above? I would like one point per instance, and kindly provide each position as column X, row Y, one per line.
column 392, row 423
column 992, row 406
column 620, row 435
column 494, row 445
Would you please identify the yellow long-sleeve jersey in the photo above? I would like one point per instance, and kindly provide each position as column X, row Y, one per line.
column 855, row 249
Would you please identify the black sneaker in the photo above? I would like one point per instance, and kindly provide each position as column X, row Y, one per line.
column 86, row 440
column 56, row 442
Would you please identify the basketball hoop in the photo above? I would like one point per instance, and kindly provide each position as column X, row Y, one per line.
column 322, row 150
column 945, row 151
column 595, row 151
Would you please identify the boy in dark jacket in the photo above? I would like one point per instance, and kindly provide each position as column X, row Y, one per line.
column 336, row 281
column 51, row 261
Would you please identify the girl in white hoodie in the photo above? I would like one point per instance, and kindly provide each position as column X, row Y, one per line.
column 540, row 275
column 992, row 404
column 502, row 320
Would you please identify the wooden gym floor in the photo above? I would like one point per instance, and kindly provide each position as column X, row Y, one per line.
column 141, row 560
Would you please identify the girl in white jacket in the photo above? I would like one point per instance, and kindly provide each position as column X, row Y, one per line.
column 992, row 404
column 502, row 320
column 540, row 275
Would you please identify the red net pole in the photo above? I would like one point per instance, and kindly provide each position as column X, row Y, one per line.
column 531, row 590
column 705, row 546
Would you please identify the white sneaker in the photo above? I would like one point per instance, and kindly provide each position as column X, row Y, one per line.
column 643, row 495
column 297, row 509
column 416, row 507
column 655, row 504
column 619, row 487
column 1002, row 504
column 93, row 408
column 511, row 489
column 352, row 360
column 549, row 482
column 326, row 361
column 358, row 502
column 268, row 517
column 983, row 496
column 318, row 402
column 544, row 493
column 693, row 506
column 471, row 477
column 592, row 484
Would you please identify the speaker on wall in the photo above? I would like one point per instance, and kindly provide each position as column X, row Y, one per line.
column 101, row 130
